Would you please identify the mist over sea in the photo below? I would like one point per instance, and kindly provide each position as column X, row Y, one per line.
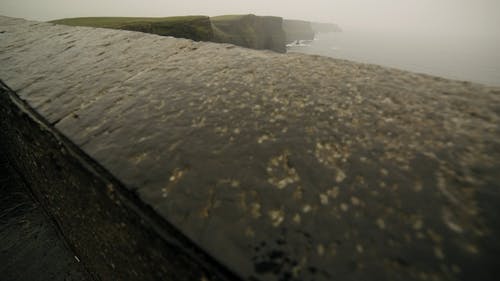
column 468, row 57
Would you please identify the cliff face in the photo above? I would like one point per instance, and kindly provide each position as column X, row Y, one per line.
column 256, row 32
column 276, row 166
column 297, row 30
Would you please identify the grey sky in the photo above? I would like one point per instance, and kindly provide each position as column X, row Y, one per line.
column 435, row 16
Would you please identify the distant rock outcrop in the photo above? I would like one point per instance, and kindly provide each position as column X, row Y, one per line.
column 297, row 30
column 251, row 31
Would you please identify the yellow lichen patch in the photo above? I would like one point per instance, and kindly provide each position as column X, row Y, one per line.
column 320, row 249
column 198, row 122
column 243, row 201
column 265, row 137
column 334, row 192
column 306, row 208
column 380, row 223
column 280, row 172
column 323, row 199
column 227, row 181
column 418, row 186
column 344, row 207
column 205, row 212
column 471, row 248
column 177, row 174
column 359, row 248
column 221, row 130
column 355, row 201
column 296, row 218
column 174, row 145
column 139, row 158
column 332, row 156
column 340, row 176
column 438, row 252
column 450, row 221
column 276, row 216
column 174, row 178
column 417, row 224
column 255, row 210
column 297, row 193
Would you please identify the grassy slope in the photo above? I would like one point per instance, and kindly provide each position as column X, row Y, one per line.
column 191, row 27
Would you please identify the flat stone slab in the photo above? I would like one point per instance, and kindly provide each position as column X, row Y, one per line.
column 280, row 166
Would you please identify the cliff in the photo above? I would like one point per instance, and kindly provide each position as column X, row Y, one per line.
column 167, row 159
column 251, row 31
column 256, row 32
column 297, row 30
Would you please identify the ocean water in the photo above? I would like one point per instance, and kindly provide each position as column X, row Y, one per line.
column 465, row 57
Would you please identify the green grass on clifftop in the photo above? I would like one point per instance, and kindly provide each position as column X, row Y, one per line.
column 192, row 27
column 228, row 18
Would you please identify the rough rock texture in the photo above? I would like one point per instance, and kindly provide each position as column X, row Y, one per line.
column 112, row 234
column 251, row 31
column 297, row 30
column 282, row 167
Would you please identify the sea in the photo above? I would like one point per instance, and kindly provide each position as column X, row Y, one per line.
column 466, row 57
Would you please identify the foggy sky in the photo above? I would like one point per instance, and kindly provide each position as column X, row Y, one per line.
column 434, row 16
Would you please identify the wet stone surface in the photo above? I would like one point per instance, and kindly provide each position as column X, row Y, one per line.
column 281, row 166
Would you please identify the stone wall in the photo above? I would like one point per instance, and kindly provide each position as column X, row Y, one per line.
column 276, row 166
column 111, row 232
